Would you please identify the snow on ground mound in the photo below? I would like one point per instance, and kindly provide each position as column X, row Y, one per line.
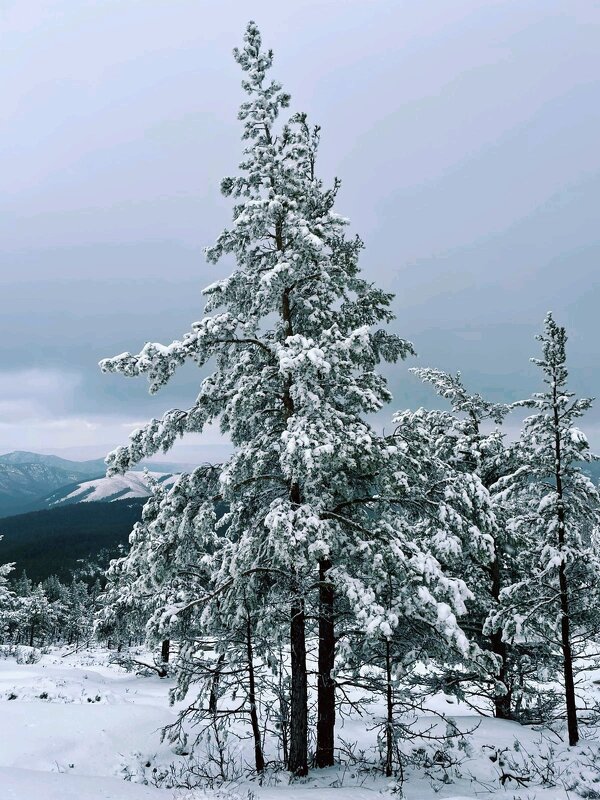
column 73, row 726
column 117, row 487
column 66, row 730
column 24, row 784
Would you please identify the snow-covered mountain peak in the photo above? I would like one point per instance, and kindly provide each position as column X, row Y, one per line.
column 108, row 489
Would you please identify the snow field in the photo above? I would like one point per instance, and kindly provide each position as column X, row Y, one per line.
column 71, row 726
column 115, row 487
column 66, row 729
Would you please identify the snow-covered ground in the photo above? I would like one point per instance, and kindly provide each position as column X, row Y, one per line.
column 73, row 726
column 68, row 725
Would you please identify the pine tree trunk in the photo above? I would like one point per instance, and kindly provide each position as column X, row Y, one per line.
column 284, row 717
column 565, row 622
column 389, row 728
column 568, row 659
column 259, row 761
column 326, row 684
column 298, row 761
column 164, row 658
column 165, row 651
column 214, row 685
column 31, row 633
column 502, row 702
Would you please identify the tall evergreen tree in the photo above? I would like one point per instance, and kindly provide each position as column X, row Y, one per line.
column 555, row 512
column 312, row 491
column 290, row 332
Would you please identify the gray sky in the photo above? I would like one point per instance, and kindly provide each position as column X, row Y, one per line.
column 465, row 133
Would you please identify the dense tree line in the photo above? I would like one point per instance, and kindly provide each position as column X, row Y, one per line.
column 73, row 539
column 46, row 613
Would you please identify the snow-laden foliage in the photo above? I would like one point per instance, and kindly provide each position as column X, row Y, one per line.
column 471, row 441
column 47, row 613
column 554, row 519
column 7, row 598
column 292, row 346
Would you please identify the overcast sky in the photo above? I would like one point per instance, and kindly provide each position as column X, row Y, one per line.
column 466, row 135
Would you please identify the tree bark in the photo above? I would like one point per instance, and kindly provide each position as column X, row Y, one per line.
column 214, row 685
column 259, row 761
column 565, row 622
column 326, row 685
column 568, row 660
column 165, row 651
column 502, row 702
column 298, row 761
column 298, row 758
column 284, row 716
column 389, row 699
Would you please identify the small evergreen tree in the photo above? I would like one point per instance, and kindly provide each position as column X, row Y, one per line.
column 555, row 513
column 465, row 440
column 7, row 600
column 37, row 616
column 23, row 585
column 78, row 614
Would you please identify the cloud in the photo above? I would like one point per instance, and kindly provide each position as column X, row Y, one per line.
column 34, row 394
column 38, row 412
column 466, row 141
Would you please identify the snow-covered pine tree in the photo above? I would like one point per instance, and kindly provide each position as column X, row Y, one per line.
column 23, row 585
column 467, row 440
column 290, row 333
column 78, row 623
column 134, row 589
column 427, row 518
column 555, row 511
column 37, row 616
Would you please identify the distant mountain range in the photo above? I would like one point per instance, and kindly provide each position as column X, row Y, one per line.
column 61, row 516
column 25, row 478
column 32, row 481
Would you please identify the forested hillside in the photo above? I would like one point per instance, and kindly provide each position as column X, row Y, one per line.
column 25, row 478
column 64, row 540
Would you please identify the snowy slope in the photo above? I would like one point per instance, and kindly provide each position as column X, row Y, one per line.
column 72, row 727
column 25, row 477
column 117, row 487
column 28, row 479
column 71, row 745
